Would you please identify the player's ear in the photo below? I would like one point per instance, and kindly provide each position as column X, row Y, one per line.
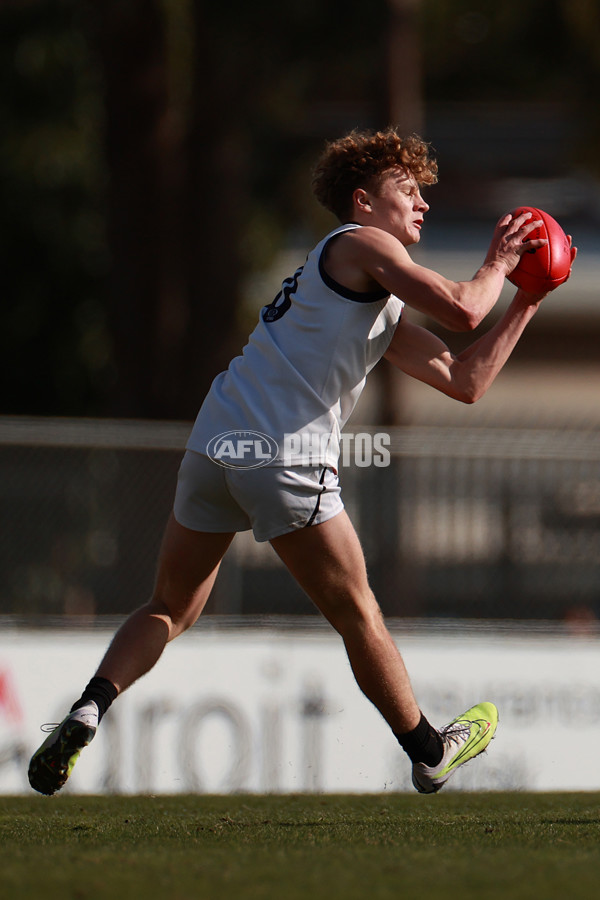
column 362, row 200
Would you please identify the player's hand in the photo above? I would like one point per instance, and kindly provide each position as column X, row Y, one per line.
column 509, row 241
column 529, row 299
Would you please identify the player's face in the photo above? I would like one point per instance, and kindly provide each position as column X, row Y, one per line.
column 398, row 207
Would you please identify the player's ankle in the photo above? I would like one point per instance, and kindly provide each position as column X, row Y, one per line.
column 423, row 744
column 101, row 691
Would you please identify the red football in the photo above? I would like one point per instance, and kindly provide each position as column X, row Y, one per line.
column 543, row 269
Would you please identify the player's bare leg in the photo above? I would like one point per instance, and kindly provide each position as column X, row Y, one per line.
column 188, row 565
column 328, row 563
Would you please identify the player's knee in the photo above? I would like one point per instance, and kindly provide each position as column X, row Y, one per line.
column 177, row 618
column 356, row 614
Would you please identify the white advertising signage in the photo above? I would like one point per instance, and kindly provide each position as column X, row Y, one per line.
column 265, row 710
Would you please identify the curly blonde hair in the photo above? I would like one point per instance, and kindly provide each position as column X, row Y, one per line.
column 363, row 159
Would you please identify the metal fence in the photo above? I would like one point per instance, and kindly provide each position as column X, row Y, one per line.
column 475, row 523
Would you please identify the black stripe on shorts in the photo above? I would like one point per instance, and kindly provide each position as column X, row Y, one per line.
column 318, row 503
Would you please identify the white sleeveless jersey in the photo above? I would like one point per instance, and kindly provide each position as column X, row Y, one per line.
column 302, row 371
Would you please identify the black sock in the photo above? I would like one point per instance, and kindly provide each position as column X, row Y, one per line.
column 101, row 691
column 423, row 743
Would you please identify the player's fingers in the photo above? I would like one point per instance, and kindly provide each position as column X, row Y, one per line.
column 525, row 218
column 530, row 225
column 526, row 246
column 519, row 227
column 534, row 243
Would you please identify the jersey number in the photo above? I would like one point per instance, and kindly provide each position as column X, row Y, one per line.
column 282, row 301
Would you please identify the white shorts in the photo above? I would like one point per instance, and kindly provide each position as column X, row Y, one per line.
column 270, row 500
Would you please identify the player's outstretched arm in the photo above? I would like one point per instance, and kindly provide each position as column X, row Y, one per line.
column 468, row 375
column 458, row 306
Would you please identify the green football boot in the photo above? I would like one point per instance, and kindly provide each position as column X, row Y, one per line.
column 52, row 764
column 463, row 739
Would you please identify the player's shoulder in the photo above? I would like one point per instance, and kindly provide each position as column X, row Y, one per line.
column 368, row 240
column 371, row 235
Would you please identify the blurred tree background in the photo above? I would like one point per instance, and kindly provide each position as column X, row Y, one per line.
column 155, row 157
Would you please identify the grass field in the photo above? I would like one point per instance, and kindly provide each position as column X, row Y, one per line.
column 541, row 846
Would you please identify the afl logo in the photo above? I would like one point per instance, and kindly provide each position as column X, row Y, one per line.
column 242, row 449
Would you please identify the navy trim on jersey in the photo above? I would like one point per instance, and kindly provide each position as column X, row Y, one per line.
column 357, row 296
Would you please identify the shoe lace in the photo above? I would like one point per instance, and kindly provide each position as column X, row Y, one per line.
column 49, row 727
column 455, row 733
